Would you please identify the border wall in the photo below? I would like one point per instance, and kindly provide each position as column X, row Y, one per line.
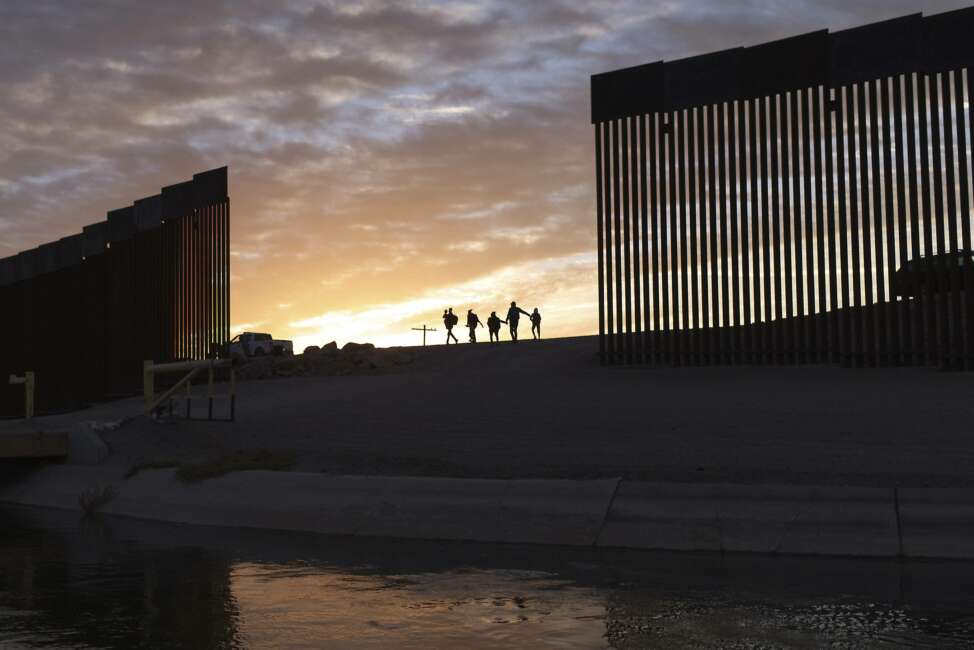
column 801, row 201
column 152, row 281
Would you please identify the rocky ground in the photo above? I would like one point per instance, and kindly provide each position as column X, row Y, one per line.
column 328, row 360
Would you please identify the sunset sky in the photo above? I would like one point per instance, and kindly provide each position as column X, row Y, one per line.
column 387, row 159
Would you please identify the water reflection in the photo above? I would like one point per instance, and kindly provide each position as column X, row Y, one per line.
column 113, row 583
column 90, row 589
column 482, row 609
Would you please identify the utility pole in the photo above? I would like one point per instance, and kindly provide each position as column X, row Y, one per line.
column 424, row 329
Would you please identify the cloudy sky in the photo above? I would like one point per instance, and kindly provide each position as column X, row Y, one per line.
column 386, row 158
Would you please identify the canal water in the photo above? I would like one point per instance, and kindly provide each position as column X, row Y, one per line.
column 67, row 582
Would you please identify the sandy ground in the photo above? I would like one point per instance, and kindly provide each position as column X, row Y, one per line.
column 548, row 410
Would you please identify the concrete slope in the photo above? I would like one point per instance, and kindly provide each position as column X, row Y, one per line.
column 787, row 520
column 547, row 410
column 525, row 511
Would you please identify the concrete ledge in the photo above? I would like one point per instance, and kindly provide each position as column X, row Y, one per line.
column 33, row 444
column 842, row 521
column 763, row 519
column 937, row 522
column 523, row 511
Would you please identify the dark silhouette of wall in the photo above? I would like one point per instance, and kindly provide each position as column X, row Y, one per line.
column 150, row 282
column 755, row 204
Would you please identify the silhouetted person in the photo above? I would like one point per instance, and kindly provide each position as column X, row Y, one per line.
column 472, row 322
column 449, row 320
column 513, row 316
column 536, row 324
column 494, row 327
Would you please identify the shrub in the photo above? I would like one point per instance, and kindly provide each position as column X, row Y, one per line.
column 152, row 464
column 92, row 499
column 237, row 461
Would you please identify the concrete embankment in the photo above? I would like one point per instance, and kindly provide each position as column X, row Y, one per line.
column 845, row 521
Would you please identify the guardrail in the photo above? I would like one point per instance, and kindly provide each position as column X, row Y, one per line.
column 28, row 382
column 151, row 369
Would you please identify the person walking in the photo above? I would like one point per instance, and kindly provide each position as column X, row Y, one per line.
column 536, row 324
column 472, row 322
column 449, row 320
column 494, row 327
column 513, row 316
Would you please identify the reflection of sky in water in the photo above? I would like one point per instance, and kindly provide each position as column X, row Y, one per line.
column 116, row 583
column 304, row 606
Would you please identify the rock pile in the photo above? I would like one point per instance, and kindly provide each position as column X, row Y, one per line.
column 352, row 359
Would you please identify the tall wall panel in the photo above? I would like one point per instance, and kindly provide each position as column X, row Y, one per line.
column 149, row 282
column 802, row 201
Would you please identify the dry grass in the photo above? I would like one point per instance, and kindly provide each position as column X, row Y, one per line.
column 152, row 464
column 237, row 461
column 92, row 499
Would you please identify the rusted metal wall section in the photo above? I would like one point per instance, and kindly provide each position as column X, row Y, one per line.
column 754, row 205
column 150, row 282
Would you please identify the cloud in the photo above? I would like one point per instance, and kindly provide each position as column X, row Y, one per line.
column 244, row 327
column 381, row 153
column 551, row 282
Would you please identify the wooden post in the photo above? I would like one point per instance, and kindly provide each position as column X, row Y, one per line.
column 209, row 395
column 148, row 384
column 424, row 329
column 29, row 395
column 233, row 394
column 28, row 382
column 189, row 394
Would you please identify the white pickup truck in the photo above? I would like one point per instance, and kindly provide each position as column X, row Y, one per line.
column 254, row 344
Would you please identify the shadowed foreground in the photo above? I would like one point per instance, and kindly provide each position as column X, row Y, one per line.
column 548, row 410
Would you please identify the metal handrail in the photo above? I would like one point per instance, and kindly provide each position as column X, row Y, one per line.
column 150, row 369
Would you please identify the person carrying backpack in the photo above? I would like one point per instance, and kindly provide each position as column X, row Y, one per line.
column 449, row 320
column 472, row 322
